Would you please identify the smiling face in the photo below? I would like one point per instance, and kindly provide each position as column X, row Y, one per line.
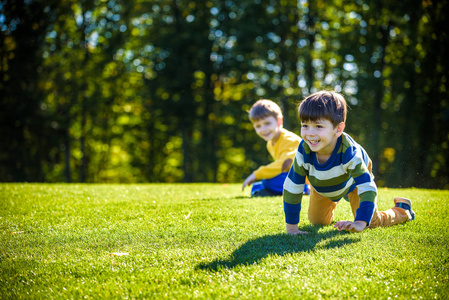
column 268, row 128
column 321, row 136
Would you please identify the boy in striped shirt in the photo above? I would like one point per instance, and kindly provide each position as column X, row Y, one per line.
column 336, row 167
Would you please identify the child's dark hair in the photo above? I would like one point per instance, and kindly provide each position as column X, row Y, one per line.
column 264, row 108
column 327, row 105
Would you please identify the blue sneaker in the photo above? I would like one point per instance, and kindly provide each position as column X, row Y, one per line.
column 306, row 189
column 257, row 186
column 406, row 204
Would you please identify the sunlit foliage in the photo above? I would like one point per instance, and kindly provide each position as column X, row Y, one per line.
column 158, row 91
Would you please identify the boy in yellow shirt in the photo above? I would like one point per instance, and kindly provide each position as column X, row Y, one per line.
column 282, row 145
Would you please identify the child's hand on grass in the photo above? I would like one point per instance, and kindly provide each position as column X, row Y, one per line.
column 249, row 180
column 292, row 229
column 355, row 226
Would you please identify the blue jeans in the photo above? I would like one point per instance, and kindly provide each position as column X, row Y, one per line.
column 275, row 185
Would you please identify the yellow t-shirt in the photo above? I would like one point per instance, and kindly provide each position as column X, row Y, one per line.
column 283, row 153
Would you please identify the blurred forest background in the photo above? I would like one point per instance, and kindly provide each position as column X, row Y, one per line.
column 158, row 91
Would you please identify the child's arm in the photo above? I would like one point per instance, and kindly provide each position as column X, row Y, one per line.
column 355, row 226
column 292, row 195
column 249, row 180
column 359, row 169
column 281, row 163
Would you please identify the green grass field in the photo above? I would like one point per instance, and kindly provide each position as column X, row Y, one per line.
column 210, row 241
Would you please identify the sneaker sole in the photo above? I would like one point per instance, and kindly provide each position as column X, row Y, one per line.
column 403, row 200
column 406, row 201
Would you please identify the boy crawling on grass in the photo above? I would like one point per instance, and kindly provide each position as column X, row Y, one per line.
column 282, row 144
column 336, row 167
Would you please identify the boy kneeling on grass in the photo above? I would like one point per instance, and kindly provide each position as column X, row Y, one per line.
column 267, row 119
column 336, row 167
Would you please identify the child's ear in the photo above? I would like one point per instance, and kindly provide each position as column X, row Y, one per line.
column 280, row 121
column 340, row 127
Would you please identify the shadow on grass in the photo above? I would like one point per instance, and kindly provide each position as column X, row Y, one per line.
column 280, row 244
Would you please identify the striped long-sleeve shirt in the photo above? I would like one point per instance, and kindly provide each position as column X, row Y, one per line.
column 346, row 169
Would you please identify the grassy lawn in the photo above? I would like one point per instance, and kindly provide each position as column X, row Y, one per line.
column 210, row 241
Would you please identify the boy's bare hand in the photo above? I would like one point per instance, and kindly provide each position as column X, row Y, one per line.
column 249, row 180
column 355, row 226
column 292, row 229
